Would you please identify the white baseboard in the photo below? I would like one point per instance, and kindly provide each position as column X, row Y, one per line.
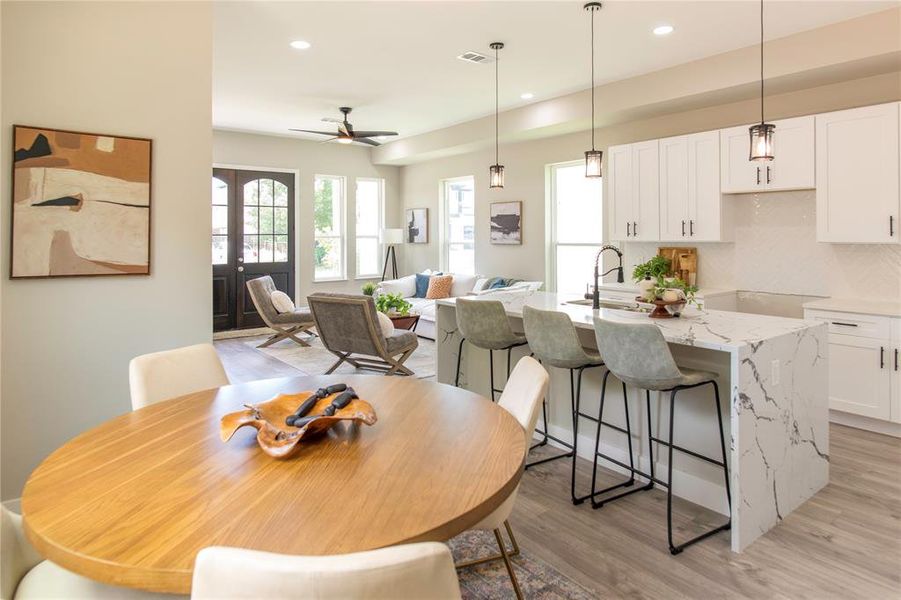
column 865, row 423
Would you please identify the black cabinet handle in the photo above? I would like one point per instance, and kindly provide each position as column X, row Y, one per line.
column 683, row 228
column 634, row 228
column 891, row 226
column 767, row 174
column 628, row 229
column 691, row 227
column 881, row 357
column 896, row 359
column 758, row 175
column 844, row 324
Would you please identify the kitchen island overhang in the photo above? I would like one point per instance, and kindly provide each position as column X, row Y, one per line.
column 777, row 418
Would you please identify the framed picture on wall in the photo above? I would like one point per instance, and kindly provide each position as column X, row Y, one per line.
column 417, row 225
column 81, row 204
column 506, row 222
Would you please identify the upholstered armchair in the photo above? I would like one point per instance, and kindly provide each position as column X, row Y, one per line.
column 286, row 325
column 349, row 328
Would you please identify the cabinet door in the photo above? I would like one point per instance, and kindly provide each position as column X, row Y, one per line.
column 857, row 175
column 859, row 376
column 619, row 191
column 896, row 370
column 674, row 194
column 737, row 173
column 646, row 191
column 793, row 167
column 705, row 200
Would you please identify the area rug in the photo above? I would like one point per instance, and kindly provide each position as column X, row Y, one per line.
column 489, row 581
column 316, row 360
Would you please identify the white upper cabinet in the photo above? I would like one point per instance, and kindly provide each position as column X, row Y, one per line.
column 792, row 169
column 690, row 199
column 633, row 191
column 857, row 170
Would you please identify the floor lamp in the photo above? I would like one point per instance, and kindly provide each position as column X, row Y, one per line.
column 391, row 237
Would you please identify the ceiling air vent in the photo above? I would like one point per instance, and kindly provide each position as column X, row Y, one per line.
column 475, row 57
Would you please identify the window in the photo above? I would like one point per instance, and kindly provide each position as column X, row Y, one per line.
column 370, row 217
column 576, row 226
column 220, row 222
column 328, row 220
column 265, row 221
column 458, row 240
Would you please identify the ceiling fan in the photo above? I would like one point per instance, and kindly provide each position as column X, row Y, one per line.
column 346, row 133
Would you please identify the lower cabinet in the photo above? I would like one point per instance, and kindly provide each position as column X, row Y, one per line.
column 864, row 363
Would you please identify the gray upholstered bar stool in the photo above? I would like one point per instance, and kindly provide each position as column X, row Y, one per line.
column 484, row 324
column 554, row 341
column 638, row 355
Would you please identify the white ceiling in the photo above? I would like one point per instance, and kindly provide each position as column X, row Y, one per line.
column 394, row 62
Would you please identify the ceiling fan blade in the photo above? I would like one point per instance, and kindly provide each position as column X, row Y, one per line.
column 366, row 140
column 373, row 133
column 328, row 140
column 311, row 131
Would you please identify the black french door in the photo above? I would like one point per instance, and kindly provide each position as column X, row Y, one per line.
column 252, row 236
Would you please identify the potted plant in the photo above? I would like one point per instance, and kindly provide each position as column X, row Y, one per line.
column 668, row 294
column 369, row 288
column 393, row 305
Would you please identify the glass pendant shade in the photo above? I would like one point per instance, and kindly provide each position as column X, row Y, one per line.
column 496, row 176
column 593, row 159
column 762, row 141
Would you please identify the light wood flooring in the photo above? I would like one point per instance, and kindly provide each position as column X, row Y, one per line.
column 843, row 543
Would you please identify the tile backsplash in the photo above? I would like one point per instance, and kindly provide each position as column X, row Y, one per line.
column 774, row 250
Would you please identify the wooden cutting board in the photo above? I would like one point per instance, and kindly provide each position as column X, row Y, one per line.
column 684, row 262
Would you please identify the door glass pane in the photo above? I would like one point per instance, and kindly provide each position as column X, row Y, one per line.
column 281, row 194
column 266, row 192
column 252, row 193
column 251, row 249
column 220, row 192
column 327, row 255
column 575, row 268
column 266, row 219
column 281, row 248
column 220, row 220
column 220, row 250
column 368, row 256
column 251, row 217
column 281, row 220
column 579, row 208
column 266, row 248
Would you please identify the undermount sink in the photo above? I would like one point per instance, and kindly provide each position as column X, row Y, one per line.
column 609, row 303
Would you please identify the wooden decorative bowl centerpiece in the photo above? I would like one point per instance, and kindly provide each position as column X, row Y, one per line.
column 660, row 311
column 285, row 420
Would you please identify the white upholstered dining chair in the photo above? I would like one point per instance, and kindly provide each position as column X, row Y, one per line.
column 412, row 571
column 25, row 575
column 522, row 397
column 172, row 373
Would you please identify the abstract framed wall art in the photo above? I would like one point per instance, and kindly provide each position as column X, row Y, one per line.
column 81, row 204
column 417, row 225
column 506, row 223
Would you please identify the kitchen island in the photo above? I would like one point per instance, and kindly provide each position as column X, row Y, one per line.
column 775, row 369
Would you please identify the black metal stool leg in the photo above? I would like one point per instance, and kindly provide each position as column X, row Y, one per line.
column 597, row 436
column 629, row 437
column 631, row 466
column 647, row 397
column 491, row 372
column 669, row 476
column 719, row 419
column 459, row 356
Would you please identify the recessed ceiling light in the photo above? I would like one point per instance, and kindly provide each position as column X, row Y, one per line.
column 300, row 44
column 663, row 30
column 527, row 95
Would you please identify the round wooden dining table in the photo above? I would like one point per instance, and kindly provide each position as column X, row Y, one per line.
column 132, row 501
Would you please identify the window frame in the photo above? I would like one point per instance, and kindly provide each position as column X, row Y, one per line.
column 551, row 222
column 342, row 233
column 380, row 225
column 444, row 222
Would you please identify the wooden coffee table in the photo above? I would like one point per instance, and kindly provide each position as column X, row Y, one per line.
column 131, row 502
column 409, row 321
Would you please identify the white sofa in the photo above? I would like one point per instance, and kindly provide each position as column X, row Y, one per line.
column 463, row 285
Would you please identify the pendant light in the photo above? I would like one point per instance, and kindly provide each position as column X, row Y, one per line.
column 762, row 133
column 593, row 157
column 496, row 171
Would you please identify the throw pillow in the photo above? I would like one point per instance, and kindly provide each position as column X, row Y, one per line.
column 463, row 284
column 422, row 284
column 282, row 302
column 439, row 287
column 479, row 284
column 498, row 282
column 386, row 324
column 405, row 286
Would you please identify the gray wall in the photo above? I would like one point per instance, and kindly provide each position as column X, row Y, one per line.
column 127, row 68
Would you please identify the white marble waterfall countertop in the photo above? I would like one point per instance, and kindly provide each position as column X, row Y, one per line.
column 714, row 329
